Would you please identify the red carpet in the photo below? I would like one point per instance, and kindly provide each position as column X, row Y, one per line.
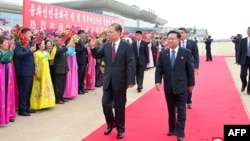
column 215, row 103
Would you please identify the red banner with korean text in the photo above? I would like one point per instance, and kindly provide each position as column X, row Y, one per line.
column 45, row 16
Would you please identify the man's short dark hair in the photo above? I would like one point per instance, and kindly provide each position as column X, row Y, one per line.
column 117, row 27
column 175, row 32
column 24, row 30
column 80, row 31
column 138, row 32
column 183, row 29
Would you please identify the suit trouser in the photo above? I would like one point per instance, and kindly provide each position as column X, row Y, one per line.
column 208, row 54
column 176, row 126
column 119, row 98
column 154, row 59
column 81, row 76
column 140, row 69
column 51, row 67
column 25, row 87
column 98, row 72
column 243, row 74
column 60, row 83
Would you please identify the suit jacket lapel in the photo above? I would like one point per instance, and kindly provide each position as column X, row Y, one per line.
column 168, row 58
column 118, row 52
column 109, row 46
column 187, row 44
column 178, row 57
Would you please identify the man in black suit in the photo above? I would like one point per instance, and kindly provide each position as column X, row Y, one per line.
column 60, row 71
column 236, row 40
column 243, row 59
column 119, row 75
column 175, row 66
column 192, row 46
column 154, row 49
column 141, row 57
column 98, row 73
column 82, row 60
column 208, row 42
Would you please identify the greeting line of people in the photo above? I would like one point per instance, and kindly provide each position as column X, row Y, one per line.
column 54, row 70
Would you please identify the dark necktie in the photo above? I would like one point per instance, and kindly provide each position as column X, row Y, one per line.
column 113, row 52
column 172, row 58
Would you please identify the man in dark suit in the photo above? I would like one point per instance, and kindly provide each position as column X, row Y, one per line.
column 192, row 46
column 236, row 40
column 141, row 57
column 243, row 59
column 208, row 42
column 98, row 73
column 60, row 71
column 175, row 66
column 154, row 49
column 119, row 75
column 82, row 60
column 25, row 69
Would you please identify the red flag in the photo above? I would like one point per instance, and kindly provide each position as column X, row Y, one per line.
column 70, row 33
column 50, row 31
column 4, row 21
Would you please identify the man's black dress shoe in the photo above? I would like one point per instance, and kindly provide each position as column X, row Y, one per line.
column 24, row 114
column 139, row 90
column 65, row 100
column 97, row 85
column 243, row 88
column 170, row 134
column 59, row 102
column 80, row 92
column 12, row 120
column 180, row 139
column 120, row 135
column 31, row 111
column 109, row 129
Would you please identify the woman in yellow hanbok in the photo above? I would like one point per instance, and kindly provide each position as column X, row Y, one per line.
column 42, row 95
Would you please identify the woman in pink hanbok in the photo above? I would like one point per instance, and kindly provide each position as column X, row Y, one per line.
column 71, row 89
column 7, row 81
column 89, row 82
column 151, row 61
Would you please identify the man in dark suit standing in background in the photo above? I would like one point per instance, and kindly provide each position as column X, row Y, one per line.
column 236, row 40
column 82, row 60
column 98, row 73
column 192, row 46
column 119, row 75
column 25, row 69
column 141, row 57
column 175, row 66
column 154, row 49
column 60, row 71
column 208, row 42
column 243, row 59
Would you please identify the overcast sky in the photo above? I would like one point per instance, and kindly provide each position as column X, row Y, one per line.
column 222, row 18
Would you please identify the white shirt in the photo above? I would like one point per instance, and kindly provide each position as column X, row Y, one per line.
column 117, row 44
column 176, row 51
column 184, row 43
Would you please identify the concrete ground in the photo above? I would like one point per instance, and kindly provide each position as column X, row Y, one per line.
column 82, row 115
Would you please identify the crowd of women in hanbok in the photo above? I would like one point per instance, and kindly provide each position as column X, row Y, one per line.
column 47, row 71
